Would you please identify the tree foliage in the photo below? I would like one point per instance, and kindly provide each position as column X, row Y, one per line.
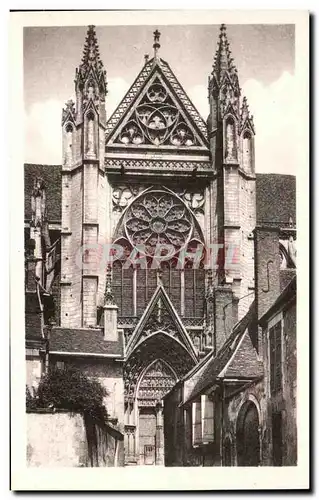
column 69, row 389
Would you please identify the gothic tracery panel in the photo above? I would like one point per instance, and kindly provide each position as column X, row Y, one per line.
column 157, row 121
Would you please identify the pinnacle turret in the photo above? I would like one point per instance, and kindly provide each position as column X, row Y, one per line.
column 245, row 114
column 91, row 61
column 223, row 61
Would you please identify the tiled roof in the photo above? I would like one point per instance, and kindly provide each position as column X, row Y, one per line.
column 226, row 362
column 275, row 198
column 286, row 275
column 51, row 175
column 85, row 341
column 288, row 293
column 245, row 362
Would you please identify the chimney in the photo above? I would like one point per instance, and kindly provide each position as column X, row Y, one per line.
column 226, row 313
column 267, row 267
column 110, row 312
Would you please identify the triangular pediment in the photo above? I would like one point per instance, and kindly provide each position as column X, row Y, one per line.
column 156, row 112
column 160, row 316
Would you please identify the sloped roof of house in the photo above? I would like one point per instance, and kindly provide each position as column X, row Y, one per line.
column 289, row 292
column 51, row 175
column 275, row 198
column 82, row 341
column 236, row 358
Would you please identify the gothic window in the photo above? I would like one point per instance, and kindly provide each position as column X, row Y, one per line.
column 230, row 139
column 146, row 283
column 90, row 133
column 157, row 121
column 122, row 286
column 194, row 290
column 158, row 217
column 171, row 279
column 247, row 151
column 275, row 355
column 68, row 143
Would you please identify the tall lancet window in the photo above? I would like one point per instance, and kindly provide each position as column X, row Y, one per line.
column 247, row 151
column 90, row 135
column 68, row 144
column 122, row 282
column 230, row 139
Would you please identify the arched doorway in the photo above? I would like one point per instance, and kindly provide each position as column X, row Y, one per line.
column 248, row 443
column 151, row 370
column 154, row 383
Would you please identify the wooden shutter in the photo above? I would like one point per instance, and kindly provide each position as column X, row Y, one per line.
column 208, row 422
column 197, row 423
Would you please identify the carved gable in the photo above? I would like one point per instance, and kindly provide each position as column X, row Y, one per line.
column 157, row 117
column 160, row 316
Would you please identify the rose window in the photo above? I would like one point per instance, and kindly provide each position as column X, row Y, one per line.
column 158, row 218
column 157, row 121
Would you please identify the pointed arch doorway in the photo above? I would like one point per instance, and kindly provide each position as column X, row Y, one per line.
column 151, row 370
column 156, row 380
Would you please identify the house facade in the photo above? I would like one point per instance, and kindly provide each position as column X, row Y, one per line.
column 140, row 246
column 238, row 407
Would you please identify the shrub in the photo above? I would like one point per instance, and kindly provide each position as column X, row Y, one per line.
column 70, row 389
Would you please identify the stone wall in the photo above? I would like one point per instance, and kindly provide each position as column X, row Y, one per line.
column 65, row 440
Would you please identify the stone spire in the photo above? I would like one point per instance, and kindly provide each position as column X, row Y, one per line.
column 223, row 62
column 223, row 83
column 91, row 64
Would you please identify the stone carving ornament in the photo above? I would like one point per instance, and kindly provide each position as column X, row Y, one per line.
column 123, row 194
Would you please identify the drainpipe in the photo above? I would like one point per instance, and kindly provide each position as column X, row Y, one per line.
column 223, row 415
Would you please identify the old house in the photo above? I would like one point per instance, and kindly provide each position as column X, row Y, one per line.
column 238, row 407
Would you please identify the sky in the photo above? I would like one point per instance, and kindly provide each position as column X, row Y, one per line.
column 263, row 54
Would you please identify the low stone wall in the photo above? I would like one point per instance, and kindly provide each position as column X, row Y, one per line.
column 61, row 439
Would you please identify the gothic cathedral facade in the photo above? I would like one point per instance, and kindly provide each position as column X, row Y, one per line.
column 155, row 173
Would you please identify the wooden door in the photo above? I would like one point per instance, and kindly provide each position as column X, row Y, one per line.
column 147, row 432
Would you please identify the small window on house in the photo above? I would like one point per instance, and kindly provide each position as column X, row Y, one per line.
column 203, row 421
column 275, row 358
column 60, row 365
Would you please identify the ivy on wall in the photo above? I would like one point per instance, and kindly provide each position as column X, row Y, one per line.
column 69, row 389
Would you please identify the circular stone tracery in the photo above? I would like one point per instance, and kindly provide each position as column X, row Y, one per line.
column 158, row 218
